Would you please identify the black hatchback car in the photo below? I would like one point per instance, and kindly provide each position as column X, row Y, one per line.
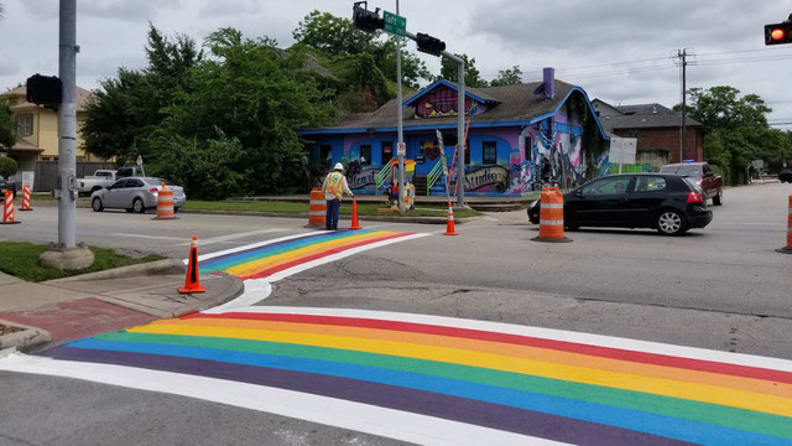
column 669, row 203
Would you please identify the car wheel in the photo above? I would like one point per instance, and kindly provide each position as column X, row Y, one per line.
column 717, row 200
column 96, row 204
column 671, row 222
column 138, row 206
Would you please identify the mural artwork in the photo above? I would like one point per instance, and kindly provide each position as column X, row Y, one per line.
column 493, row 176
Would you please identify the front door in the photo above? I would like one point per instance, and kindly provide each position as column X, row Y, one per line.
column 603, row 202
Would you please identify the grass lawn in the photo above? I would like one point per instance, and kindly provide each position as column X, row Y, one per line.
column 289, row 207
column 20, row 259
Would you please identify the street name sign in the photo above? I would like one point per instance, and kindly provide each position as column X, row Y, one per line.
column 394, row 24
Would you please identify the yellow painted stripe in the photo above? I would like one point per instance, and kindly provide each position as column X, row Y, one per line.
column 250, row 268
column 502, row 348
column 659, row 386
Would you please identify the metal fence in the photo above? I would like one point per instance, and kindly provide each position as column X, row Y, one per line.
column 47, row 173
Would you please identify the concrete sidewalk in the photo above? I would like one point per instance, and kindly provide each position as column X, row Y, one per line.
column 32, row 314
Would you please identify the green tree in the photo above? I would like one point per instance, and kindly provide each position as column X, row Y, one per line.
column 127, row 109
column 7, row 125
column 8, row 166
column 449, row 70
column 736, row 130
column 509, row 76
column 239, row 119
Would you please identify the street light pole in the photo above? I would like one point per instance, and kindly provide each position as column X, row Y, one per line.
column 67, row 122
column 461, row 135
column 400, row 114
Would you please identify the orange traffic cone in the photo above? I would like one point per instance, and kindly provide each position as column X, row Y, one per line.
column 450, row 226
column 355, row 224
column 192, row 283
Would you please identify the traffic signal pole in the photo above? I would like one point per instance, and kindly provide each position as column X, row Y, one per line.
column 400, row 114
column 67, row 123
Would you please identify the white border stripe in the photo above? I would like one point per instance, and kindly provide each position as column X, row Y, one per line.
column 400, row 425
column 546, row 333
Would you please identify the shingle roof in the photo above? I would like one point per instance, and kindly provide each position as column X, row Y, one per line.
column 83, row 96
column 517, row 103
column 639, row 116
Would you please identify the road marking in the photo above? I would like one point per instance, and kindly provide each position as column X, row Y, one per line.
column 238, row 235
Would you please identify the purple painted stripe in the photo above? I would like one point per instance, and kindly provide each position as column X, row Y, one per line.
column 464, row 410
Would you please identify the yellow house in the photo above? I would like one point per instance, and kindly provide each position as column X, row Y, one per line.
column 37, row 129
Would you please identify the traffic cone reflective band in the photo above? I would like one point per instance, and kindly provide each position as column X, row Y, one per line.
column 450, row 225
column 551, row 216
column 318, row 208
column 8, row 208
column 788, row 248
column 355, row 224
column 192, row 283
column 26, row 199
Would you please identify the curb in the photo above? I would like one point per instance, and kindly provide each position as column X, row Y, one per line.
column 23, row 340
column 159, row 267
column 236, row 288
column 422, row 220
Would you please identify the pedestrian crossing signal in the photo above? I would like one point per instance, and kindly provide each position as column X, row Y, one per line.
column 779, row 33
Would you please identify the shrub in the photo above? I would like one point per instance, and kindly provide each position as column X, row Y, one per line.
column 8, row 167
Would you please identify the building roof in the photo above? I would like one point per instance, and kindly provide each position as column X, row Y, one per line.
column 23, row 146
column 512, row 105
column 640, row 116
column 83, row 96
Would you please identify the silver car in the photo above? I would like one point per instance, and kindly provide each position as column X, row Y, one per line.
column 135, row 194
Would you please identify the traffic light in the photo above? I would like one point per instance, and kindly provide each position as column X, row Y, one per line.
column 430, row 45
column 44, row 90
column 366, row 20
column 778, row 34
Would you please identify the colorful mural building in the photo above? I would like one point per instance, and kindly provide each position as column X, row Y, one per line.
column 520, row 138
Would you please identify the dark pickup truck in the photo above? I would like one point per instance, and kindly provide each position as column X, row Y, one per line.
column 703, row 176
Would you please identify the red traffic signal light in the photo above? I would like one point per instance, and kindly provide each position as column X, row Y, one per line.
column 778, row 34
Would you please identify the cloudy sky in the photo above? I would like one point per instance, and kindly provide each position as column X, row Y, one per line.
column 621, row 51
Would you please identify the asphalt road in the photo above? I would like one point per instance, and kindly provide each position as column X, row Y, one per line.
column 723, row 287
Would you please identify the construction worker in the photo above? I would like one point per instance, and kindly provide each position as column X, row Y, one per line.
column 334, row 187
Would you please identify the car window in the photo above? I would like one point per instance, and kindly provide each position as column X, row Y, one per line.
column 135, row 183
column 707, row 170
column 649, row 184
column 684, row 170
column 607, row 186
column 103, row 174
column 118, row 184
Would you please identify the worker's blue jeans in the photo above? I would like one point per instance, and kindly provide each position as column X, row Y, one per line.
column 333, row 209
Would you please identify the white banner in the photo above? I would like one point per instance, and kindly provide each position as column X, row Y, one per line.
column 27, row 179
column 622, row 150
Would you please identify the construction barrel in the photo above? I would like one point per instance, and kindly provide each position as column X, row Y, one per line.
column 318, row 208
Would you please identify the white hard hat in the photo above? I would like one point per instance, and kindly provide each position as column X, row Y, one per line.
column 338, row 166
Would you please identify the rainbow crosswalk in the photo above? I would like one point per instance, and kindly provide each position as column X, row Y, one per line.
column 431, row 379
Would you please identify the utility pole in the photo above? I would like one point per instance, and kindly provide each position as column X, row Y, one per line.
column 400, row 114
column 682, row 55
column 460, row 130
column 67, row 123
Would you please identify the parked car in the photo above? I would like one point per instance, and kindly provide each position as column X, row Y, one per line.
column 702, row 173
column 785, row 176
column 101, row 178
column 672, row 204
column 8, row 185
column 135, row 194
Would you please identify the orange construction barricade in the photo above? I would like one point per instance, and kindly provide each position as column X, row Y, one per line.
column 788, row 248
column 26, row 199
column 551, row 216
column 8, row 208
column 165, row 209
column 318, row 209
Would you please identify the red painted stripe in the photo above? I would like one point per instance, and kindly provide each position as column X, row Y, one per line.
column 301, row 260
column 584, row 349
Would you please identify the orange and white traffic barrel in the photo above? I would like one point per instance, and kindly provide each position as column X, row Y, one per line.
column 8, row 208
column 318, row 208
column 551, row 216
column 26, row 199
column 788, row 248
column 165, row 209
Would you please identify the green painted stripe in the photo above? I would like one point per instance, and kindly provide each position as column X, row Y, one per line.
column 768, row 424
column 269, row 253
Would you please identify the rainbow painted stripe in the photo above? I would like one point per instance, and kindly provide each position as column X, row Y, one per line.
column 542, row 387
column 263, row 261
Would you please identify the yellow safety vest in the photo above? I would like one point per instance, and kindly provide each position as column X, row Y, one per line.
column 334, row 185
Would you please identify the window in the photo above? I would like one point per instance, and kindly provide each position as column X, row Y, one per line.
column 467, row 154
column 650, row 184
column 528, row 149
column 24, row 124
column 707, row 170
column 325, row 154
column 387, row 151
column 365, row 155
column 685, row 170
column 489, row 152
column 607, row 186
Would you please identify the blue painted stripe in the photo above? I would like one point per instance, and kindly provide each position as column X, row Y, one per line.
column 676, row 428
column 292, row 244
